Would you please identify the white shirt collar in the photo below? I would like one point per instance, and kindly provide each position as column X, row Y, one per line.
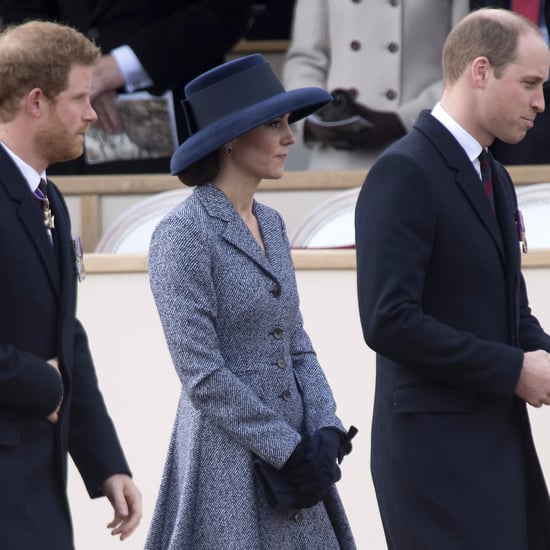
column 471, row 146
column 29, row 173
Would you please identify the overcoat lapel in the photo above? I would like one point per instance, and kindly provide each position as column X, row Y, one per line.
column 506, row 208
column 466, row 177
column 31, row 220
column 64, row 253
column 473, row 189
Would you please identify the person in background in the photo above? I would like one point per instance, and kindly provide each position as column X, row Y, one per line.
column 535, row 148
column 444, row 305
column 272, row 20
column 50, row 403
column 253, row 456
column 380, row 60
column 153, row 46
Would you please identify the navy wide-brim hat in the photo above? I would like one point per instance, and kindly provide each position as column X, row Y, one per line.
column 233, row 98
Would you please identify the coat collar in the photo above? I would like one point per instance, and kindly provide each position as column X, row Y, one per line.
column 235, row 231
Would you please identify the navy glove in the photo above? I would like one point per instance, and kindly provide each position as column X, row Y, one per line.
column 345, row 441
column 312, row 467
column 309, row 473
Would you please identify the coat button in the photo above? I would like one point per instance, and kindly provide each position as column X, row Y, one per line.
column 286, row 395
column 356, row 1
column 278, row 333
column 393, row 47
column 276, row 291
column 298, row 516
column 93, row 33
column 394, row 3
column 391, row 94
column 355, row 45
column 281, row 363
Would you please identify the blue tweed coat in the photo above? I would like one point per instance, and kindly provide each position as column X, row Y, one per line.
column 251, row 382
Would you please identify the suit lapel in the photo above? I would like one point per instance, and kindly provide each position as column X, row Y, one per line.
column 29, row 214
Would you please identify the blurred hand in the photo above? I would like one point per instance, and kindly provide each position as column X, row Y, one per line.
column 108, row 118
column 105, row 76
column 347, row 124
column 106, row 80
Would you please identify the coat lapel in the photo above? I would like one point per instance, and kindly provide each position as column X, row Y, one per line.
column 64, row 252
column 472, row 188
column 466, row 177
column 235, row 230
column 506, row 209
column 27, row 211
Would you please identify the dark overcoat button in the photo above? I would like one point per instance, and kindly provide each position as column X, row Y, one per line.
column 286, row 395
column 281, row 363
column 393, row 47
column 93, row 33
column 278, row 333
column 355, row 45
column 391, row 94
column 276, row 291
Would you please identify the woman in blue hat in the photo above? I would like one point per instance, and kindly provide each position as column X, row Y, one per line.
column 256, row 442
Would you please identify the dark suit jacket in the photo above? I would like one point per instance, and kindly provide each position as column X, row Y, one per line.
column 37, row 322
column 443, row 303
column 535, row 147
column 175, row 40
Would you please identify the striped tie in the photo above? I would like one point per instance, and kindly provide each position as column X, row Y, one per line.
column 487, row 175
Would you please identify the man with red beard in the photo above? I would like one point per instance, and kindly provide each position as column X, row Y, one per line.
column 50, row 403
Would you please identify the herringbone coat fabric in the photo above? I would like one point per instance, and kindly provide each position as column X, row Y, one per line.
column 251, row 382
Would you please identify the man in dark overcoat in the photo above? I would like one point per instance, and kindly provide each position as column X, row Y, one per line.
column 50, row 403
column 443, row 303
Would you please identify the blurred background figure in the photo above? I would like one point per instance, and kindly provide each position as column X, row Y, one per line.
column 535, row 147
column 385, row 62
column 154, row 46
column 272, row 20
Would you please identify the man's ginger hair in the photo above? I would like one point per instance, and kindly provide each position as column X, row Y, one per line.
column 39, row 54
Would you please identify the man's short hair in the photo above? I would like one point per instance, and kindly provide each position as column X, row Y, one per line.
column 492, row 33
column 39, row 54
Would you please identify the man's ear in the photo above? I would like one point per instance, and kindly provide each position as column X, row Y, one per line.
column 35, row 102
column 480, row 71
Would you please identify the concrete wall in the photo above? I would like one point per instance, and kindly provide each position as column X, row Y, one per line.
column 141, row 388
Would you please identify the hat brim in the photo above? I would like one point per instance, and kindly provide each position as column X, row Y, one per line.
column 298, row 103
